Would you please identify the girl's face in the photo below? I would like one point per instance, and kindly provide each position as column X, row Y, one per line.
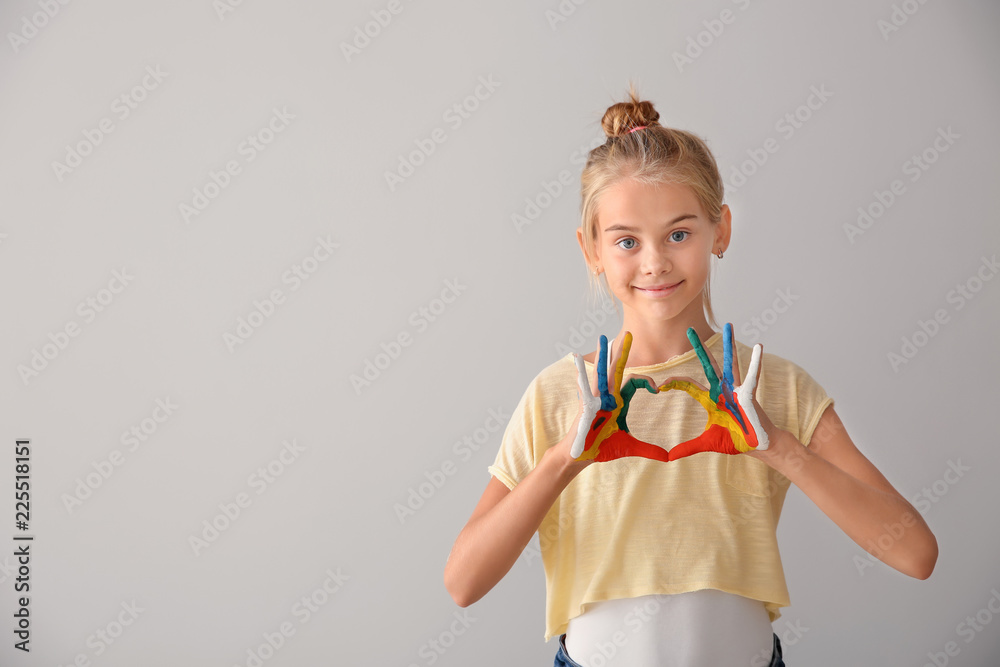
column 654, row 244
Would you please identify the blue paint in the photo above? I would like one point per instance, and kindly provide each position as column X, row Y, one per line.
column 607, row 400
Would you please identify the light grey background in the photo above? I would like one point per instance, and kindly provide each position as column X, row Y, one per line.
column 521, row 304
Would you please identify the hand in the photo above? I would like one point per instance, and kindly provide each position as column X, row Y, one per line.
column 602, row 433
column 734, row 416
column 563, row 450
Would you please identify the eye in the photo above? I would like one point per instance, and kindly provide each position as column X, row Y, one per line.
column 686, row 234
column 626, row 243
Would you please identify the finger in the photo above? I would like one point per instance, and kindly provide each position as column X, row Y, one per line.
column 760, row 365
column 602, row 367
column 590, row 374
column 587, row 414
column 589, row 404
column 753, row 372
column 731, row 365
column 610, row 370
column 680, row 378
column 582, row 379
column 706, row 363
column 639, row 380
column 745, row 395
column 611, row 390
column 731, row 360
column 622, row 360
column 694, row 390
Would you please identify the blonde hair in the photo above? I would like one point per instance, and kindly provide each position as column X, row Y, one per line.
column 652, row 156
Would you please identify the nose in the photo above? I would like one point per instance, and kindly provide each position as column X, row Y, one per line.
column 655, row 261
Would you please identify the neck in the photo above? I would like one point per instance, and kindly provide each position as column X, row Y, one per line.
column 657, row 342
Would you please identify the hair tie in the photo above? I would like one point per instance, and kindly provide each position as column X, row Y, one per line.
column 641, row 127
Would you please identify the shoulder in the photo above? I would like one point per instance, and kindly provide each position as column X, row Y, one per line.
column 546, row 408
column 774, row 367
column 782, row 379
column 555, row 377
column 792, row 398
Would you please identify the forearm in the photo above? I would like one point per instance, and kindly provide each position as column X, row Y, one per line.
column 883, row 524
column 489, row 546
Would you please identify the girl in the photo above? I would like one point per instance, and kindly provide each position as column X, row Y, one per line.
column 668, row 563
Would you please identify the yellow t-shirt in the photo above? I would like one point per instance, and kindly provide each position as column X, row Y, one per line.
column 635, row 526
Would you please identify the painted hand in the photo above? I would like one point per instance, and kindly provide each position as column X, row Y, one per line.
column 733, row 425
column 602, row 434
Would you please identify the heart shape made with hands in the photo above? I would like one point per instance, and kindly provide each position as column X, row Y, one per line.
column 733, row 426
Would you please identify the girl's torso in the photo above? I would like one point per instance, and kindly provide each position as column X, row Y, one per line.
column 703, row 627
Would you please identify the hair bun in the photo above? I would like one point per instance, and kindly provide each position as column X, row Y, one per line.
column 623, row 117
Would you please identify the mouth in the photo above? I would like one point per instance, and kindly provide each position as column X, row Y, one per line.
column 660, row 290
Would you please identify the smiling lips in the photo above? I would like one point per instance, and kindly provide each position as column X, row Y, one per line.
column 660, row 290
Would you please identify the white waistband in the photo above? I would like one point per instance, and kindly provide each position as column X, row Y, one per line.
column 704, row 627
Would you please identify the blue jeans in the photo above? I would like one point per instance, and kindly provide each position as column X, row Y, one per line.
column 563, row 659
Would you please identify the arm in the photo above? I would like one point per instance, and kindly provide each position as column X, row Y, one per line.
column 505, row 519
column 854, row 494
column 503, row 523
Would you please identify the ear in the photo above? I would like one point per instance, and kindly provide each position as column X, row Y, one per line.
column 724, row 228
column 589, row 260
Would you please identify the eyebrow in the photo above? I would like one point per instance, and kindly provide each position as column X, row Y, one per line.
column 626, row 228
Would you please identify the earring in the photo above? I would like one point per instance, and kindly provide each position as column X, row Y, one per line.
column 720, row 255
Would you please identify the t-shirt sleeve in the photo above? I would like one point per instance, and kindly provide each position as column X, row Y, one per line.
column 516, row 456
column 539, row 421
column 812, row 403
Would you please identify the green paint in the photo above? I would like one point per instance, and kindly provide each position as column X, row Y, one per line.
column 713, row 380
column 628, row 390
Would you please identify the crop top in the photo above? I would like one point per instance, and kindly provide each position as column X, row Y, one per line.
column 635, row 526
